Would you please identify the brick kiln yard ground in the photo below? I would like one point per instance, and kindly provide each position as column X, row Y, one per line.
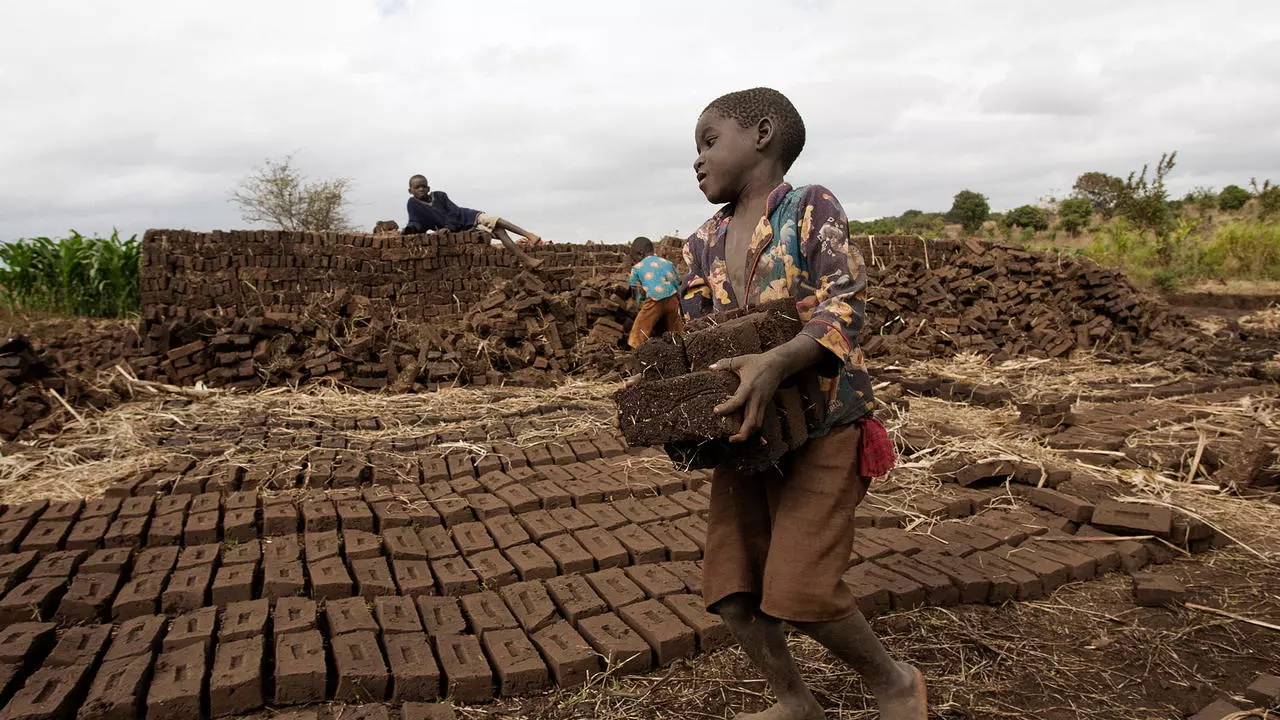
column 405, row 486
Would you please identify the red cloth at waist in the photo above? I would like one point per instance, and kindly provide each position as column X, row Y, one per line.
column 875, row 450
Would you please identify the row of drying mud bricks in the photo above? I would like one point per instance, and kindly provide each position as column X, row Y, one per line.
column 289, row 271
column 674, row 403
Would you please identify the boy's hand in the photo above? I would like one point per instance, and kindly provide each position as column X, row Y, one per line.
column 759, row 376
column 758, row 379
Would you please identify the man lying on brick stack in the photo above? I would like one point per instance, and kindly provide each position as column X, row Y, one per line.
column 780, row 533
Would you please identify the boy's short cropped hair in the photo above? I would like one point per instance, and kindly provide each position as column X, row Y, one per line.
column 748, row 107
column 642, row 246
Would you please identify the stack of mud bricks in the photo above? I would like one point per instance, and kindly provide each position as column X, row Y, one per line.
column 673, row 405
column 255, row 271
column 931, row 297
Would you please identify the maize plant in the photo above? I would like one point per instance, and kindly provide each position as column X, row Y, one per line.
column 75, row 275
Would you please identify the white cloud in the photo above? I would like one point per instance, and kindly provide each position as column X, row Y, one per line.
column 575, row 118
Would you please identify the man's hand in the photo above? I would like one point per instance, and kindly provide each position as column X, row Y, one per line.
column 759, row 376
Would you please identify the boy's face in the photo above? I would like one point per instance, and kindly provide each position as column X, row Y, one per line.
column 419, row 188
column 726, row 154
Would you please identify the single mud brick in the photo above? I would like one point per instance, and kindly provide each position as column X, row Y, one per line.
column 62, row 564
column 670, row 638
column 962, row 538
column 391, row 514
column 46, row 536
column 614, row 639
column 571, row 518
column 635, row 511
column 465, row 486
column 518, row 498
column 319, row 516
column 117, row 690
column 1068, row 506
column 187, row 589
column 63, row 510
column 414, row 673
column 665, row 508
column 655, row 581
column 485, row 505
column 193, row 628
column 604, row 547
column 438, row 542
column 178, row 684
column 710, row 631
column 575, row 597
column 139, row 597
column 460, row 466
column 676, row 409
column 640, row 545
column 1156, row 589
column 1217, row 710
column 427, row 711
column 615, row 588
column 538, row 456
column 604, row 514
column 441, row 615
column 973, row 585
column 281, row 579
column 1003, row 530
column 1027, row 585
column 727, row 339
column 492, row 568
column 106, row 507
column 172, row 504
column 199, row 555
column 506, row 530
column 243, row 620
column 397, row 614
column 904, row 593
column 31, row 600
column 1084, row 565
column 493, row 481
column 422, row 514
column 865, row 548
column 240, row 525
column 87, row 533
column 581, row 492
column 205, row 502
column 233, row 583
column 201, row 528
column 530, row 604
column 301, row 673
column 16, row 566
column 1053, row 575
column 517, row 665
column 166, row 529
column 280, row 519
column 1264, row 692
column 433, row 470
column 689, row 572
column 403, row 543
column 88, row 598
column 471, row 538
column 248, row 552
column 550, row 494
column 293, row 614
column 126, row 532
column 1133, row 518
column 467, row 675
column 329, row 579
column 453, row 510
column 568, row 654
column 80, row 646
column 23, row 642
column 531, row 562
column 413, row 577
column 695, row 528
column 322, row 545
column 235, row 685
column 485, row 611
column 50, row 693
column 360, row 545
column 539, row 524
column 373, row 577
column 584, row 450
column 355, row 515
column 454, row 576
column 872, row 599
column 360, row 668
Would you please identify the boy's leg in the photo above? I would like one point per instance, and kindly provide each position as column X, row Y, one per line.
column 764, row 642
column 529, row 261
column 898, row 688
column 642, row 328
column 504, row 224
column 671, row 314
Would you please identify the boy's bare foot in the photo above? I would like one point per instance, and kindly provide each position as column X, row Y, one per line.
column 908, row 700
column 788, row 711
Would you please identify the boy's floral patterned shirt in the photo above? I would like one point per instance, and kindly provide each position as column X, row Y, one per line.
column 809, row 258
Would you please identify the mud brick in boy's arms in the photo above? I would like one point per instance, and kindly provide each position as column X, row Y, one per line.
column 777, row 322
column 725, row 340
column 677, row 409
column 661, row 357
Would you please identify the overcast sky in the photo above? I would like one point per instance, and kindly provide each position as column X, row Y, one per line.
column 575, row 119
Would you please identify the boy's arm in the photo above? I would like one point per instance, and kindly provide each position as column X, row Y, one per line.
column 695, row 292
column 837, row 305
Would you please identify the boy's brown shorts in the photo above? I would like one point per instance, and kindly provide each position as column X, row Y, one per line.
column 786, row 535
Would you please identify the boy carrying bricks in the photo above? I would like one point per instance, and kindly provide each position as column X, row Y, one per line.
column 779, row 540
column 655, row 281
column 431, row 211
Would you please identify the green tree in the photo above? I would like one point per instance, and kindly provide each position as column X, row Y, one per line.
column 1146, row 202
column 1103, row 191
column 970, row 209
column 1233, row 197
column 1075, row 215
column 1028, row 217
column 1268, row 198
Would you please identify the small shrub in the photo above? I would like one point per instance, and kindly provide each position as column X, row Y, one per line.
column 970, row 209
column 1166, row 280
column 1245, row 250
column 1028, row 217
column 1075, row 214
column 1268, row 198
column 1232, row 198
